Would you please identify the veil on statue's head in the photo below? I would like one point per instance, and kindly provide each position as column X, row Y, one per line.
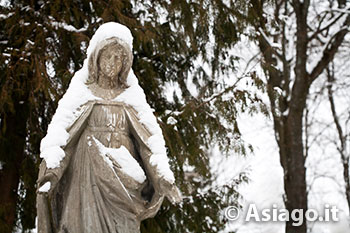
column 107, row 33
column 94, row 58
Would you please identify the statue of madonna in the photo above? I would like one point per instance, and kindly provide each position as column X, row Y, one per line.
column 108, row 178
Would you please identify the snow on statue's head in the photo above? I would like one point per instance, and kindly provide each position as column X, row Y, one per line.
column 115, row 37
column 109, row 30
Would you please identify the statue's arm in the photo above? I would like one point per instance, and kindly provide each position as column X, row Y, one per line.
column 54, row 174
column 141, row 134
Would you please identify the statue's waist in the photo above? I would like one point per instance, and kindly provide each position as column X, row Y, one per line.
column 108, row 129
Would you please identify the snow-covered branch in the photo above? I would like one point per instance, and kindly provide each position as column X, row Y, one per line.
column 66, row 26
column 5, row 16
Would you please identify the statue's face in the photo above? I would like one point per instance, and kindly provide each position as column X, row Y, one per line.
column 111, row 61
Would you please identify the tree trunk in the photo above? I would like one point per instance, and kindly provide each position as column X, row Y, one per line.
column 288, row 130
column 12, row 153
column 9, row 179
column 294, row 168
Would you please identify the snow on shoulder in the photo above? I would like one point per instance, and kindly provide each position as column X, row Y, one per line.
column 71, row 106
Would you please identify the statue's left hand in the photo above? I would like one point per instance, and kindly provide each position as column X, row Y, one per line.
column 48, row 177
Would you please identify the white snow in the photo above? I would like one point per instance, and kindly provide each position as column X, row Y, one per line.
column 66, row 26
column 123, row 157
column 45, row 188
column 69, row 108
column 171, row 121
column 3, row 16
column 109, row 30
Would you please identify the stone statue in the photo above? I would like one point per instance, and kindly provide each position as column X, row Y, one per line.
column 106, row 181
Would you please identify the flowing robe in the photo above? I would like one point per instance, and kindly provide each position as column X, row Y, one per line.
column 94, row 194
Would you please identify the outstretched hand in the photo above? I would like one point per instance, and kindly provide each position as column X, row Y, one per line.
column 171, row 192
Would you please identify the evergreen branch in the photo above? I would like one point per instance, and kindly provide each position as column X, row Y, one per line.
column 226, row 90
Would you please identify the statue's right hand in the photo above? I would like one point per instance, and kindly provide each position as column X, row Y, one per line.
column 47, row 183
column 170, row 191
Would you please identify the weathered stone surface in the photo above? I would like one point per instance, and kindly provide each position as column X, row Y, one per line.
column 90, row 191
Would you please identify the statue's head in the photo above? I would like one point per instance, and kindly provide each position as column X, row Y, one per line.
column 112, row 58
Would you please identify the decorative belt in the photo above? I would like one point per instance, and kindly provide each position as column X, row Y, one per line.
column 107, row 129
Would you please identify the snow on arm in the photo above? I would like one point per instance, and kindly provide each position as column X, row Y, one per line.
column 45, row 188
column 67, row 112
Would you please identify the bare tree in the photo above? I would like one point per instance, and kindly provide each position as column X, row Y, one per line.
column 298, row 40
column 343, row 135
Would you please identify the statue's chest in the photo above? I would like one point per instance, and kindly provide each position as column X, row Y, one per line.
column 111, row 117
